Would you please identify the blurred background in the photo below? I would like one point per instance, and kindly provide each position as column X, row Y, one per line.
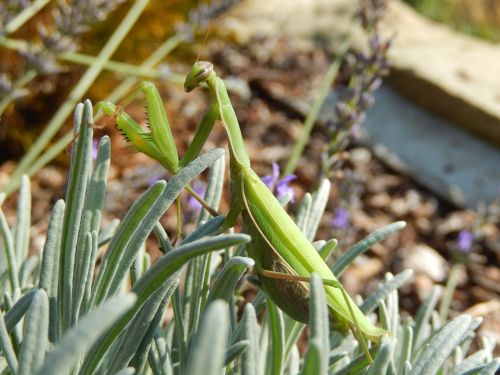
column 409, row 128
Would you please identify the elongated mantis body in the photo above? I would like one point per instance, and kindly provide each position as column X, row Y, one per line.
column 284, row 257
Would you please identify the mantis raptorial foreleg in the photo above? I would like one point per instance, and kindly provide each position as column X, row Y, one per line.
column 159, row 143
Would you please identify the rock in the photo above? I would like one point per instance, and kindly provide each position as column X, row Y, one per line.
column 424, row 259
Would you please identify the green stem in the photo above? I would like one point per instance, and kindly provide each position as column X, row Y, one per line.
column 24, row 16
column 299, row 146
column 23, row 80
column 83, row 59
column 76, row 94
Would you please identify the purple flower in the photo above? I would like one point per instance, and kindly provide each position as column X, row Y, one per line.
column 465, row 241
column 95, row 148
column 340, row 219
column 278, row 186
column 199, row 187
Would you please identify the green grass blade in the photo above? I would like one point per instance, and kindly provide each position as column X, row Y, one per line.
column 319, row 201
column 126, row 371
column 314, row 359
column 140, row 221
column 363, row 245
column 228, row 277
column 8, row 244
column 440, row 346
column 35, row 335
column 207, row 354
column 81, row 163
column 22, row 232
column 7, row 348
column 275, row 358
column 384, row 289
column 319, row 327
column 74, row 343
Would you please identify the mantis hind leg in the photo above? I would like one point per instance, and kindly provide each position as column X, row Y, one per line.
column 335, row 284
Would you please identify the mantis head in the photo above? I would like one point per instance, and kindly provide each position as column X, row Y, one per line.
column 200, row 71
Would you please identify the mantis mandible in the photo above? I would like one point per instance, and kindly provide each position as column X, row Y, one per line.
column 284, row 257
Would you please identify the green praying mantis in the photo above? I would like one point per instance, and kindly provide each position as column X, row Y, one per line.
column 284, row 257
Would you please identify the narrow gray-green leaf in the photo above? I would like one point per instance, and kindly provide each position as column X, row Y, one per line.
column 276, row 356
column 17, row 311
column 384, row 289
column 314, row 359
column 228, row 277
column 51, row 249
column 140, row 331
column 35, row 335
column 86, row 251
column 491, row 368
column 22, row 233
column 215, row 184
column 326, row 249
column 108, row 232
column 319, row 321
column 139, row 222
column 207, row 354
column 76, row 341
column 440, row 346
column 381, row 362
column 234, row 351
column 303, row 212
column 162, row 237
column 404, row 343
column 363, row 245
column 81, row 163
column 165, row 267
column 320, row 199
column 211, row 227
column 423, row 316
column 8, row 245
column 126, row 371
column 90, row 222
column 6, row 346
column 250, row 359
column 472, row 362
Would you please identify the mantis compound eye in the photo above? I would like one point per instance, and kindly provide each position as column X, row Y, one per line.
column 199, row 73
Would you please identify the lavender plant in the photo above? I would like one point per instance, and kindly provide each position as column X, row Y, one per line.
column 364, row 71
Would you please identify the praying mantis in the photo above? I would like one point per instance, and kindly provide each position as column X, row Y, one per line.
column 284, row 257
